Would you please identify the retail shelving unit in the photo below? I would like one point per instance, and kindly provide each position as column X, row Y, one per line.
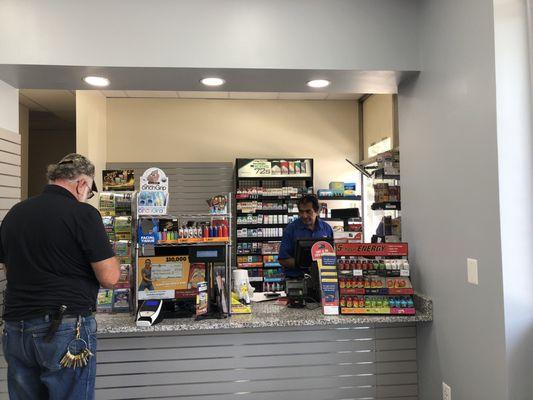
column 384, row 171
column 116, row 208
column 266, row 194
column 211, row 254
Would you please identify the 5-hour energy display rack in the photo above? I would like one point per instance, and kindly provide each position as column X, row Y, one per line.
column 374, row 278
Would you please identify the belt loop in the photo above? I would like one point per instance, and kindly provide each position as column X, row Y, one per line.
column 47, row 318
column 21, row 326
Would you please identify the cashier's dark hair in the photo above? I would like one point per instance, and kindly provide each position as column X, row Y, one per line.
column 309, row 198
column 70, row 167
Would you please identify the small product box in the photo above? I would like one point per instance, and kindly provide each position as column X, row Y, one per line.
column 105, row 300
column 121, row 300
column 124, row 279
column 336, row 186
column 201, row 299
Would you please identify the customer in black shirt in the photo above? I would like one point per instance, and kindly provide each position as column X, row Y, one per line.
column 56, row 253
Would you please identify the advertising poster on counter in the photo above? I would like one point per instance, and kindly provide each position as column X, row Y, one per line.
column 168, row 277
column 153, row 194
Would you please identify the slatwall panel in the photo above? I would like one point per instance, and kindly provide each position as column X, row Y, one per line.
column 307, row 363
column 10, row 185
column 190, row 183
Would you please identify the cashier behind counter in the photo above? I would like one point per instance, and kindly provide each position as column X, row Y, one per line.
column 307, row 226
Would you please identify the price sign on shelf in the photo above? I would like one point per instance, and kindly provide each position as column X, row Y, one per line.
column 357, row 272
column 256, row 168
column 404, row 272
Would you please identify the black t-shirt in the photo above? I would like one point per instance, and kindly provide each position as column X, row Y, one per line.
column 48, row 243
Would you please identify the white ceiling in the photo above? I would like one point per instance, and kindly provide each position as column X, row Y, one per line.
column 63, row 102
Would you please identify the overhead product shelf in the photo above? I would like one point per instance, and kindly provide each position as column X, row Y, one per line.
column 345, row 198
column 388, row 205
column 380, row 174
column 260, row 239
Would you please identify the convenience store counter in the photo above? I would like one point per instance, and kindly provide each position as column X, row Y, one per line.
column 276, row 352
column 268, row 314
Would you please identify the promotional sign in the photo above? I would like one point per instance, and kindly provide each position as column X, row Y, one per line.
column 324, row 255
column 276, row 169
column 168, row 277
column 160, row 277
column 320, row 249
column 153, row 194
column 118, row 180
column 349, row 248
column 218, row 204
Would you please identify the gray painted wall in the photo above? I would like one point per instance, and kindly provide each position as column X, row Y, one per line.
column 449, row 157
column 308, row 34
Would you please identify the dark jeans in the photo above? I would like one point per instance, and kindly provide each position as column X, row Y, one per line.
column 33, row 365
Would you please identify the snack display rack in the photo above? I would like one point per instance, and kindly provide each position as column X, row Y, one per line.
column 202, row 242
column 266, row 194
column 374, row 278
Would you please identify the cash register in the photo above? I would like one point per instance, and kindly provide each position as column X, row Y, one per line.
column 302, row 283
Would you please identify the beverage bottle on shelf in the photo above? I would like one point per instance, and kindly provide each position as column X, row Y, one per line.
column 340, row 264
column 349, row 302
column 343, row 301
column 205, row 231
column 225, row 232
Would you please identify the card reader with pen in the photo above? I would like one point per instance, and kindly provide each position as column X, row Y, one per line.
column 150, row 313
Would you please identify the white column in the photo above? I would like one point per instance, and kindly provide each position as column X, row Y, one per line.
column 91, row 131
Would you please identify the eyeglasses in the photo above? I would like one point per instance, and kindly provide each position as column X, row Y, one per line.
column 91, row 191
column 91, row 194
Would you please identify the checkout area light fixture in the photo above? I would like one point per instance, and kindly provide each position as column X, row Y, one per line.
column 318, row 83
column 211, row 81
column 98, row 81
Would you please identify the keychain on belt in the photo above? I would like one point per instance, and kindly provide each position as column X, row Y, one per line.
column 80, row 359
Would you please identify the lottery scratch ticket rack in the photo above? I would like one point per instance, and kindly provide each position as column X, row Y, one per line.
column 175, row 254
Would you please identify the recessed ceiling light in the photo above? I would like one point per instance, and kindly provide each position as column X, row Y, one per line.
column 318, row 83
column 213, row 81
column 99, row 81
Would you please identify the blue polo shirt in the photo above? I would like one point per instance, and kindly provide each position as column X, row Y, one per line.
column 297, row 230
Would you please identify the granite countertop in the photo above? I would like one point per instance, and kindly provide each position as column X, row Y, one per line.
column 264, row 315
